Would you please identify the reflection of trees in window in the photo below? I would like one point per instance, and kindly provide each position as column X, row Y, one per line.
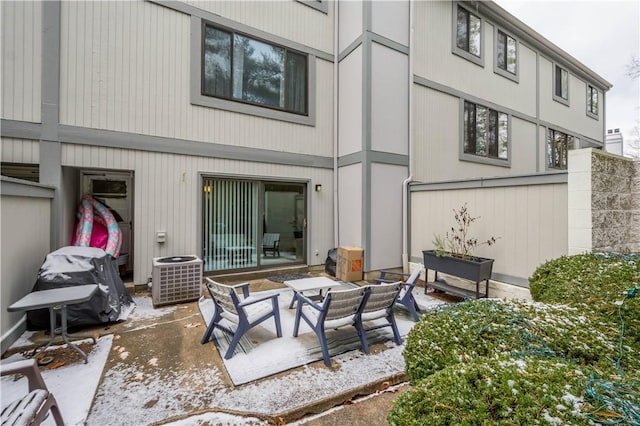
column 506, row 52
column 592, row 100
column 468, row 31
column 558, row 145
column 242, row 68
column 486, row 132
column 561, row 82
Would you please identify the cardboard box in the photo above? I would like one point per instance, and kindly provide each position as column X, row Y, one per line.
column 349, row 263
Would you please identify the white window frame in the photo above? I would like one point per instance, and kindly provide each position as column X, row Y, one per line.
column 478, row 60
column 507, row 74
column 553, row 80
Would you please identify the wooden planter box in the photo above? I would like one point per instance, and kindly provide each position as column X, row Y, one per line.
column 476, row 269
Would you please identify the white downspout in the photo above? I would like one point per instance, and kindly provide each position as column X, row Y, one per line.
column 408, row 180
column 335, row 125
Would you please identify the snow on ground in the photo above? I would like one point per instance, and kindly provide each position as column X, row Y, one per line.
column 72, row 385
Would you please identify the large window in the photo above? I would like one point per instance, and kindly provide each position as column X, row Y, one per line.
column 468, row 34
column 560, row 84
column 592, row 101
column 245, row 69
column 558, row 146
column 506, row 53
column 486, row 132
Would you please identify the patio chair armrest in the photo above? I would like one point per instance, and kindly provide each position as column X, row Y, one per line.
column 244, row 287
column 384, row 281
column 302, row 299
column 253, row 299
column 29, row 369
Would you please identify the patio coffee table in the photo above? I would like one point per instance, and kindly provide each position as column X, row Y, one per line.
column 310, row 284
column 56, row 299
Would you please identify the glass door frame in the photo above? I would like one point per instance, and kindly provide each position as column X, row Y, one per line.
column 262, row 261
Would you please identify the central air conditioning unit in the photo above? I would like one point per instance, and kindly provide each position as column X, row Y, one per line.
column 176, row 279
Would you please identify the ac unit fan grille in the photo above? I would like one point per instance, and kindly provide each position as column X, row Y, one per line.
column 176, row 282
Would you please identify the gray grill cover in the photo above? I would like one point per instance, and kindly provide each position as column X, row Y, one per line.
column 72, row 266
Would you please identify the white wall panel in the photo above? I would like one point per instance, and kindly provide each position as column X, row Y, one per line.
column 167, row 193
column 434, row 61
column 350, row 103
column 21, row 38
column 288, row 19
column 386, row 215
column 391, row 20
column 573, row 117
column 349, row 22
column 531, row 222
column 389, row 100
column 20, row 151
column 125, row 67
column 350, row 205
column 437, row 142
column 23, row 250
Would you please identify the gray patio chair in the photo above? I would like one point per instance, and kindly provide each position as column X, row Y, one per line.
column 339, row 308
column 245, row 312
column 271, row 243
column 405, row 298
column 32, row 408
column 379, row 304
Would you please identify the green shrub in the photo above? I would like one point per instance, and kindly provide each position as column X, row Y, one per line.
column 495, row 391
column 491, row 329
column 599, row 281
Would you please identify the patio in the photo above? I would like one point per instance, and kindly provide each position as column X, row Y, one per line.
column 156, row 371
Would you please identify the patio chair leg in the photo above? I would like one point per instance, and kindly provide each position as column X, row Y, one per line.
column 296, row 324
column 234, row 342
column 325, row 348
column 394, row 327
column 276, row 316
column 362, row 336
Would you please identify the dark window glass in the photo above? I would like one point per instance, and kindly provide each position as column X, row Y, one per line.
column 245, row 69
column 592, row 100
column 217, row 62
column 485, row 132
column 561, row 83
column 468, row 32
column 558, row 145
column 506, row 52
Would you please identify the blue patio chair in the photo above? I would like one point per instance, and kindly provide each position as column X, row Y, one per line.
column 339, row 308
column 379, row 304
column 245, row 313
column 406, row 298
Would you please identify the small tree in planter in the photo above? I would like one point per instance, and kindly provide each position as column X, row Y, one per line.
column 458, row 243
column 453, row 255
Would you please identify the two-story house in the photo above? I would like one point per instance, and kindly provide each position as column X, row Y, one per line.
column 207, row 125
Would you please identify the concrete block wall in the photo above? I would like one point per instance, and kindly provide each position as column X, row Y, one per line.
column 604, row 202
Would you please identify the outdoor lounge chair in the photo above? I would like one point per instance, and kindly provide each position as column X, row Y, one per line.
column 379, row 304
column 271, row 243
column 245, row 313
column 33, row 407
column 338, row 309
column 406, row 298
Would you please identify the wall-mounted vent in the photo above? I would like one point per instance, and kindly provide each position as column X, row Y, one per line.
column 176, row 279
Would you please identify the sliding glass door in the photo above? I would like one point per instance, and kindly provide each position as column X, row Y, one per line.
column 252, row 224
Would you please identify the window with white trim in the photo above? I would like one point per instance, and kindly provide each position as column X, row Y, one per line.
column 592, row 101
column 560, row 84
column 486, row 132
column 244, row 69
column 558, row 146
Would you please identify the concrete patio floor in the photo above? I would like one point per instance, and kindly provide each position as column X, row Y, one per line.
column 157, row 372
